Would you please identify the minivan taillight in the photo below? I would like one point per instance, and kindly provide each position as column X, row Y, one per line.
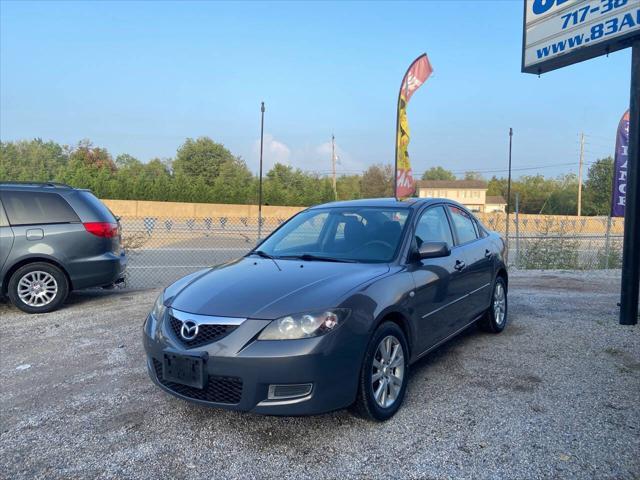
column 102, row 229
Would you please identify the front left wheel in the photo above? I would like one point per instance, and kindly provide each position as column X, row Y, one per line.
column 384, row 374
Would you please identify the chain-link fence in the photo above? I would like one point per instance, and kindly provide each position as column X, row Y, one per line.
column 161, row 250
column 555, row 242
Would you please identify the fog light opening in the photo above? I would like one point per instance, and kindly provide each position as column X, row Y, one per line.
column 282, row 392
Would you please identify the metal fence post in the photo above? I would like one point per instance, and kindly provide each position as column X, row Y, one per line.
column 607, row 244
column 517, row 230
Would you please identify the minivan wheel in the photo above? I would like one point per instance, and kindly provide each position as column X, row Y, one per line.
column 38, row 287
column 384, row 374
column 495, row 318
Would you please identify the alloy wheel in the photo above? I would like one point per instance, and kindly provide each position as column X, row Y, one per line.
column 499, row 304
column 387, row 374
column 37, row 288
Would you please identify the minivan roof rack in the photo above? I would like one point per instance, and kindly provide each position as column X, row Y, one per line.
column 39, row 184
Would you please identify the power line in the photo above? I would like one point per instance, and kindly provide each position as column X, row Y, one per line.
column 461, row 172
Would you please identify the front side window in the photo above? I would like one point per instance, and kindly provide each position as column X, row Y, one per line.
column 364, row 234
column 31, row 208
column 434, row 227
column 464, row 225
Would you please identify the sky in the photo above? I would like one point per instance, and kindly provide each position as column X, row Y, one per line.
column 141, row 77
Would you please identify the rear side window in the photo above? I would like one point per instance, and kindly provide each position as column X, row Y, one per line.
column 30, row 208
column 98, row 210
column 464, row 225
column 3, row 218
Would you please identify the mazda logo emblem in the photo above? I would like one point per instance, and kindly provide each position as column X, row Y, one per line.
column 189, row 330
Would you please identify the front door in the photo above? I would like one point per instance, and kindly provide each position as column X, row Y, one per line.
column 439, row 282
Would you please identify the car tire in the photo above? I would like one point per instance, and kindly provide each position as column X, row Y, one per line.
column 38, row 287
column 369, row 405
column 495, row 318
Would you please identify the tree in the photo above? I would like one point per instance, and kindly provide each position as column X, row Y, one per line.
column 31, row 160
column 234, row 183
column 438, row 173
column 377, row 182
column 473, row 176
column 597, row 188
column 88, row 155
column 125, row 160
column 201, row 158
column 348, row 187
column 563, row 199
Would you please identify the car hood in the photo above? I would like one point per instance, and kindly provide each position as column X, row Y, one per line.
column 257, row 288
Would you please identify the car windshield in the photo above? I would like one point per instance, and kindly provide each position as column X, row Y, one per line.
column 364, row 234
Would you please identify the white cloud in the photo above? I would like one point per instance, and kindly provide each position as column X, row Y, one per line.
column 274, row 152
column 321, row 160
column 310, row 158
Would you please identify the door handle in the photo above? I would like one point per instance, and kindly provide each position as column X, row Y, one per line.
column 488, row 253
column 459, row 265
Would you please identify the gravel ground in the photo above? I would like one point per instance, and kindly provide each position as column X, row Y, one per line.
column 555, row 396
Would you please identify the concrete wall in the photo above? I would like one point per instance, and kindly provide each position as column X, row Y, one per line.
column 143, row 208
column 528, row 223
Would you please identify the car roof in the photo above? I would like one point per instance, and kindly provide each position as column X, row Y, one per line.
column 410, row 203
column 34, row 186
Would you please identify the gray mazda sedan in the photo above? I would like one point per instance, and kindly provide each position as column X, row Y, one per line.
column 330, row 310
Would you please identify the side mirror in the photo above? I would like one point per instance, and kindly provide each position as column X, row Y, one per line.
column 433, row 250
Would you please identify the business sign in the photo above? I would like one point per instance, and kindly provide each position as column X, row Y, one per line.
column 620, row 168
column 558, row 33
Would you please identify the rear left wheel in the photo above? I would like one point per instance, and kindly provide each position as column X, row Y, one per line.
column 383, row 378
column 38, row 287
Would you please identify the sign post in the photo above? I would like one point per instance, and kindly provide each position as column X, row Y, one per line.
column 558, row 33
column 630, row 250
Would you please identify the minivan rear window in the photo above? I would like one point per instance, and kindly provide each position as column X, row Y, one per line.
column 31, row 208
column 99, row 209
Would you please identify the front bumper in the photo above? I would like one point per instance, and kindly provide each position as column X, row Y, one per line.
column 240, row 369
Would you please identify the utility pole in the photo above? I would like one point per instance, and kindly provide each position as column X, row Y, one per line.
column 333, row 166
column 260, row 177
column 580, row 174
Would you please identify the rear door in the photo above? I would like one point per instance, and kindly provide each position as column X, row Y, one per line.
column 43, row 223
column 478, row 268
column 6, row 238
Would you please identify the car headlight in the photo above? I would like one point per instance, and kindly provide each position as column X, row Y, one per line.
column 158, row 307
column 304, row 325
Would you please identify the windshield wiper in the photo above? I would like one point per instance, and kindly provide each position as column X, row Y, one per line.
column 263, row 254
column 311, row 257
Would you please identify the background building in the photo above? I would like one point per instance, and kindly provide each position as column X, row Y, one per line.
column 471, row 193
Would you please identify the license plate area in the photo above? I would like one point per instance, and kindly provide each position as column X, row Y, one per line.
column 183, row 369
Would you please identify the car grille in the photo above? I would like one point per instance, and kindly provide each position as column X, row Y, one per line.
column 218, row 389
column 206, row 333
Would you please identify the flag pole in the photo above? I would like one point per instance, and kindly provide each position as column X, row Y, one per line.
column 395, row 160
